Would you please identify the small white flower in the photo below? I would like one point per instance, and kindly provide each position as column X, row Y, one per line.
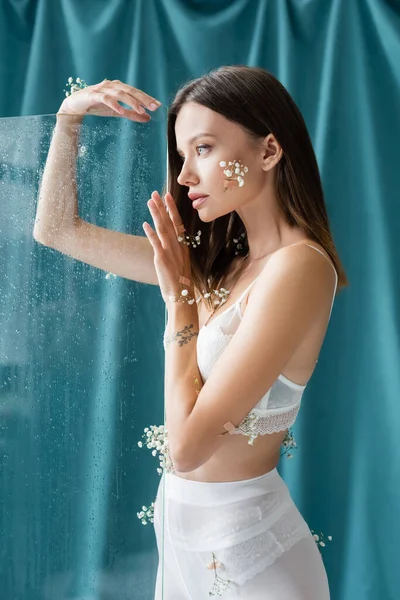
column 222, row 163
column 316, row 537
column 140, row 444
column 70, row 80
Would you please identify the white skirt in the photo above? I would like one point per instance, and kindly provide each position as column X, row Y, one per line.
column 222, row 539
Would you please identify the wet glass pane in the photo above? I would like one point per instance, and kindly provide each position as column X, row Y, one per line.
column 81, row 360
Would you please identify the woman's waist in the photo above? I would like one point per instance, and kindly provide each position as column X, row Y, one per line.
column 237, row 460
column 221, row 493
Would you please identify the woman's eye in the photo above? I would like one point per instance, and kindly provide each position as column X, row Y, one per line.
column 202, row 147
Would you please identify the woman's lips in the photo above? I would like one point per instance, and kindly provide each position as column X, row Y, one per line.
column 196, row 203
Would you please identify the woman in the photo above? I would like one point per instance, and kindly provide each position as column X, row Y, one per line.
column 247, row 267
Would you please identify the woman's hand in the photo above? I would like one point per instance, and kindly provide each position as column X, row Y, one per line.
column 171, row 259
column 102, row 99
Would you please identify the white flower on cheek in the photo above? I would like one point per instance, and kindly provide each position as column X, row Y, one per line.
column 234, row 171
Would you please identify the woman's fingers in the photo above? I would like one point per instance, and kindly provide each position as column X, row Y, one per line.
column 166, row 228
column 153, row 239
column 133, row 97
column 112, row 96
column 110, row 100
column 173, row 212
column 138, row 95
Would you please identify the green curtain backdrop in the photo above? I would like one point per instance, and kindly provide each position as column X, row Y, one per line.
column 339, row 59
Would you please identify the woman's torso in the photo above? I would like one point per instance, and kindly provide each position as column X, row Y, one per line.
column 263, row 456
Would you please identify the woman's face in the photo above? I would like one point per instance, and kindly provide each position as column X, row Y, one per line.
column 205, row 138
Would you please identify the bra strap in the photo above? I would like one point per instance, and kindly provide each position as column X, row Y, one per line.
column 238, row 301
column 242, row 295
column 330, row 262
column 318, row 250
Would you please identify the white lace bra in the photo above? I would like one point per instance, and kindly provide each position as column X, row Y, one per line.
column 278, row 408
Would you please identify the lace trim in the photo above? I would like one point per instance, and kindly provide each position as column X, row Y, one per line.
column 254, row 425
column 247, row 559
column 236, row 525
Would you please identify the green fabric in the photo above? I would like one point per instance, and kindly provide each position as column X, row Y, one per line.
column 81, row 359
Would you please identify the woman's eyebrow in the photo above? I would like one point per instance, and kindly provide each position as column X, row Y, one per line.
column 195, row 137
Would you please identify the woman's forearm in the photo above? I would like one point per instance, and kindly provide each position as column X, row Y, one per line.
column 57, row 207
column 182, row 376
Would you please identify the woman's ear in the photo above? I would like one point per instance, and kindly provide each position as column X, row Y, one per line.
column 272, row 152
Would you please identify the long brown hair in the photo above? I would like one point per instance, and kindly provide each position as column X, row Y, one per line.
column 256, row 100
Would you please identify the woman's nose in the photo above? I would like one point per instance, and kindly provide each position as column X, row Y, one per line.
column 187, row 177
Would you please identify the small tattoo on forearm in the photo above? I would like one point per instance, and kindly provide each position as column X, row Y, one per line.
column 182, row 337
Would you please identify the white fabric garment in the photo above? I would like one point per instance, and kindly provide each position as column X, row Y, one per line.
column 234, row 539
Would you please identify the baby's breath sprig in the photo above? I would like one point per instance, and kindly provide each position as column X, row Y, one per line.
column 289, row 444
column 75, row 86
column 146, row 513
column 220, row 585
column 319, row 538
column 156, row 439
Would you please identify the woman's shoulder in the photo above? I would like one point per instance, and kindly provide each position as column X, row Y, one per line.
column 309, row 242
column 317, row 250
